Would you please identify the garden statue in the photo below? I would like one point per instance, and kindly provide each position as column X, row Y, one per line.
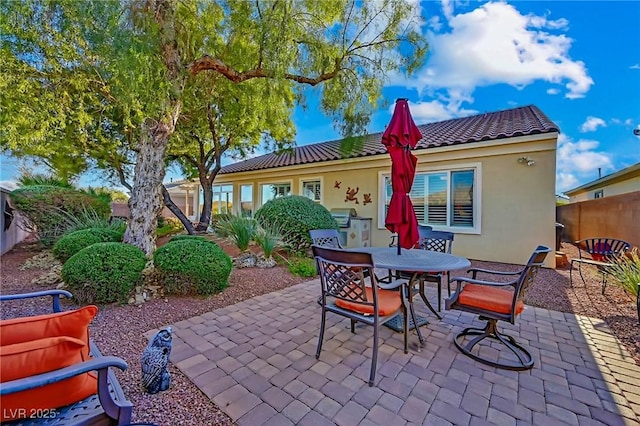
column 155, row 359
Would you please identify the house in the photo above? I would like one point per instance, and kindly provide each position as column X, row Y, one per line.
column 184, row 193
column 490, row 178
column 621, row 182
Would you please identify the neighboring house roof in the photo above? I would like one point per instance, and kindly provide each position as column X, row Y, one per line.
column 522, row 121
column 620, row 175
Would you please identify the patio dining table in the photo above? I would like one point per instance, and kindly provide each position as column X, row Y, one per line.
column 417, row 261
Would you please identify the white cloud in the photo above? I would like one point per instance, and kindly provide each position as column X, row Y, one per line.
column 635, row 67
column 592, row 124
column 437, row 110
column 578, row 162
column 496, row 44
column 553, row 91
column 8, row 184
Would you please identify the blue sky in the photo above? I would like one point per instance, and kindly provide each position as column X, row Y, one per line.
column 578, row 61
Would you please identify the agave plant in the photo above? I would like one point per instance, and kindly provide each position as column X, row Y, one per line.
column 626, row 270
column 241, row 230
column 268, row 238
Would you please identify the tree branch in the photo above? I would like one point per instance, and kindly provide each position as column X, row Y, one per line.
column 207, row 63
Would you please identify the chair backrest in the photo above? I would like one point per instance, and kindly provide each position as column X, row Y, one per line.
column 603, row 248
column 343, row 275
column 529, row 273
column 421, row 229
column 435, row 240
column 325, row 238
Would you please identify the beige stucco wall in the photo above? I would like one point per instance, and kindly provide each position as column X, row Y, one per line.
column 517, row 202
column 632, row 184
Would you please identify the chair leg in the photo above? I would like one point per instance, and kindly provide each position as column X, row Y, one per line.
column 353, row 326
column 525, row 359
column 374, row 355
column 440, row 294
column 426, row 301
column 321, row 336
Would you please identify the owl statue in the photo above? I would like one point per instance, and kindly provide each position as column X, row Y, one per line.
column 155, row 358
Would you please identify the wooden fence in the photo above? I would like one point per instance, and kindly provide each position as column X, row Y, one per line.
column 615, row 217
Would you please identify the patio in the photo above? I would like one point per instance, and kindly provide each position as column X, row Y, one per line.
column 256, row 361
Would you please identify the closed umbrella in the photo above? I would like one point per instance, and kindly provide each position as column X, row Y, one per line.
column 401, row 135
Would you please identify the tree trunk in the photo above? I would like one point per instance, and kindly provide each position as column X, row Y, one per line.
column 146, row 203
column 166, row 197
column 205, row 216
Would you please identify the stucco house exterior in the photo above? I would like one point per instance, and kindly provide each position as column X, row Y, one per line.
column 490, row 178
column 621, row 182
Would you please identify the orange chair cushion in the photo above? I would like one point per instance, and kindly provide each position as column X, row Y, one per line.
column 487, row 298
column 39, row 344
column 388, row 302
column 600, row 247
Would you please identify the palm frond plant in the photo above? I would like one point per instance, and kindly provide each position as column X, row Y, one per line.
column 626, row 270
column 240, row 230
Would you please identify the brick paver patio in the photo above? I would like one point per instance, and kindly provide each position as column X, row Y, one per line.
column 256, row 361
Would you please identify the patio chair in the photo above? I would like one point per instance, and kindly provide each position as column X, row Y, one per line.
column 495, row 301
column 441, row 241
column 325, row 238
column 347, row 291
column 49, row 359
column 394, row 237
column 598, row 252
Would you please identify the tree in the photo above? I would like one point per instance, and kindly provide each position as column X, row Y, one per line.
column 220, row 117
column 136, row 60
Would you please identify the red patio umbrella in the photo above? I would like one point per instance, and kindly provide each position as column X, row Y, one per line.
column 401, row 135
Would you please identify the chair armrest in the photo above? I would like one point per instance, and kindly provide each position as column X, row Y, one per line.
column 474, row 271
column 32, row 382
column 392, row 285
column 460, row 280
column 55, row 294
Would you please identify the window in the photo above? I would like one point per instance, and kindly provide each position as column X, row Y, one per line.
column 222, row 199
column 598, row 194
column 311, row 190
column 246, row 200
column 443, row 199
column 275, row 190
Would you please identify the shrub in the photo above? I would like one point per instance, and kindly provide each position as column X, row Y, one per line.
column 181, row 237
column 295, row 216
column 267, row 239
column 303, row 267
column 47, row 208
column 239, row 229
column 104, row 272
column 73, row 242
column 626, row 270
column 192, row 266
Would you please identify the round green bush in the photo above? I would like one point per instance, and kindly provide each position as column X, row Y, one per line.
column 104, row 272
column 48, row 208
column 73, row 242
column 192, row 266
column 182, row 237
column 294, row 216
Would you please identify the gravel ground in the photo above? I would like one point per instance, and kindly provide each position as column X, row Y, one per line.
column 118, row 330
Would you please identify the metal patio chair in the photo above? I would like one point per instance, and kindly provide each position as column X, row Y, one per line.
column 348, row 291
column 495, row 301
column 598, row 252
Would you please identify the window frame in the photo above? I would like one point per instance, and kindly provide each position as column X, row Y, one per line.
column 598, row 194
column 278, row 182
column 229, row 199
column 312, row 179
column 240, row 200
column 477, row 191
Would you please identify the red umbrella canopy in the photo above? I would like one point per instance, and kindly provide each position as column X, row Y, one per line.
column 401, row 134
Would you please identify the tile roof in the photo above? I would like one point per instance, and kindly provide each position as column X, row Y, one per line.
column 521, row 121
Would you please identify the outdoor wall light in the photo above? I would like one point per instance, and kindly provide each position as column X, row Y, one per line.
column 526, row 161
